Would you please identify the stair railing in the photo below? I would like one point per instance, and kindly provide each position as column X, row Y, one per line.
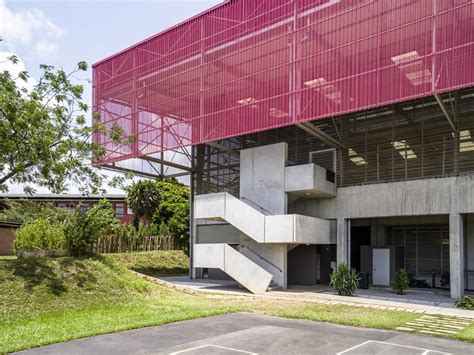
column 262, row 258
column 256, row 205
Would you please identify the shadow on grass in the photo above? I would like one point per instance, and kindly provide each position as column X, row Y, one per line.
column 157, row 271
column 51, row 275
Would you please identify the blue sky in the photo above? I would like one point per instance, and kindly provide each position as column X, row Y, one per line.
column 63, row 33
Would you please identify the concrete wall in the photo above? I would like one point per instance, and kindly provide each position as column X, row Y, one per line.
column 271, row 257
column 262, row 176
column 309, row 181
column 405, row 198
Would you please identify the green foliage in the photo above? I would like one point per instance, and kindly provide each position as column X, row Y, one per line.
column 24, row 211
column 416, row 283
column 83, row 229
column 400, row 281
column 345, row 280
column 172, row 215
column 40, row 234
column 164, row 203
column 467, row 302
column 143, row 197
column 44, row 134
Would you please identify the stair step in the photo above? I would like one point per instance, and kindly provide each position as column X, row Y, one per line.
column 274, row 287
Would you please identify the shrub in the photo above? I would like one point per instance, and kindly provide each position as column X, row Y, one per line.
column 416, row 283
column 467, row 302
column 345, row 280
column 400, row 282
column 40, row 234
column 82, row 229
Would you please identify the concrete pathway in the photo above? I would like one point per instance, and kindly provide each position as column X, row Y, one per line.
column 231, row 288
column 244, row 333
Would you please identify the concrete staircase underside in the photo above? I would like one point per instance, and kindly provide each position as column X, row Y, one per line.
column 240, row 268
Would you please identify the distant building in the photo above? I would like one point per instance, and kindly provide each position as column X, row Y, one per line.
column 71, row 201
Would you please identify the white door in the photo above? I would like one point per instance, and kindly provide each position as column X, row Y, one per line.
column 381, row 267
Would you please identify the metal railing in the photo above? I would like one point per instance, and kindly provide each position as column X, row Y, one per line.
column 261, row 258
column 256, row 206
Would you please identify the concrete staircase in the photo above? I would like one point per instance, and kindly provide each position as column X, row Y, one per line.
column 247, row 266
column 243, row 270
column 261, row 227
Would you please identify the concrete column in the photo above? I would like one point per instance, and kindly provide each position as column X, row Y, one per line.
column 342, row 240
column 456, row 254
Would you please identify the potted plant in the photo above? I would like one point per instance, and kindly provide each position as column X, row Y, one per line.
column 400, row 281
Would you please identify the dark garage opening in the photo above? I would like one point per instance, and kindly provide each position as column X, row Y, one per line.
column 360, row 235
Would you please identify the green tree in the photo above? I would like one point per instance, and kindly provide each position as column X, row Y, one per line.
column 25, row 211
column 143, row 197
column 45, row 138
column 172, row 215
column 83, row 229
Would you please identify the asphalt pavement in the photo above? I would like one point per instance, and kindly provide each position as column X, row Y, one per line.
column 245, row 333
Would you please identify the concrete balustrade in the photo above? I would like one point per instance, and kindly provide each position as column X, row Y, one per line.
column 286, row 228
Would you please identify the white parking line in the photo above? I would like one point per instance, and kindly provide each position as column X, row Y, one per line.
column 425, row 351
column 214, row 346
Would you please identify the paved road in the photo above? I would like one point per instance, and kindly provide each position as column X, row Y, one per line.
column 242, row 333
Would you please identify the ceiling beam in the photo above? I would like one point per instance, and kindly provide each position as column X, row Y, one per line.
column 445, row 111
column 167, row 163
column 223, row 148
column 320, row 135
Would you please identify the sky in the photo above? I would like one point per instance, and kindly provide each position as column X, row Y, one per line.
column 62, row 33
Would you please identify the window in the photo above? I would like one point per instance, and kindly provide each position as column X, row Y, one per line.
column 119, row 210
column 129, row 210
column 85, row 207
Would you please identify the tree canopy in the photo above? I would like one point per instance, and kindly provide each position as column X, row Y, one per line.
column 45, row 138
column 165, row 204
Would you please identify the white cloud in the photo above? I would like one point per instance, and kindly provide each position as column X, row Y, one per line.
column 27, row 26
column 45, row 49
column 15, row 69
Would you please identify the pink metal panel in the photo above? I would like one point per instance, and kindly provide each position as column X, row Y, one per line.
column 253, row 65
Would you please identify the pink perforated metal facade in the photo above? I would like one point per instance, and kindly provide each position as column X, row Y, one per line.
column 251, row 65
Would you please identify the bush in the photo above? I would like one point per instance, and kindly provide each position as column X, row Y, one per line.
column 400, row 282
column 345, row 280
column 40, row 234
column 467, row 302
column 416, row 283
column 83, row 229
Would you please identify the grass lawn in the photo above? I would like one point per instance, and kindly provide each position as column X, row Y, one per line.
column 162, row 263
column 53, row 300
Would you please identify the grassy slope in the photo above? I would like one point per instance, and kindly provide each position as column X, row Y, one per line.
column 163, row 263
column 48, row 301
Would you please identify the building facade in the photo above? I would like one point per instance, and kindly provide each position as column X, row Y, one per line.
column 312, row 133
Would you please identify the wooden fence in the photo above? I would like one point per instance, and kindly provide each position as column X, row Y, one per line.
column 123, row 244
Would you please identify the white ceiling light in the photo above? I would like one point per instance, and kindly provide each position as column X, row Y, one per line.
column 249, row 101
column 327, row 89
column 276, row 112
column 404, row 149
column 465, row 141
column 355, row 158
column 412, row 66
